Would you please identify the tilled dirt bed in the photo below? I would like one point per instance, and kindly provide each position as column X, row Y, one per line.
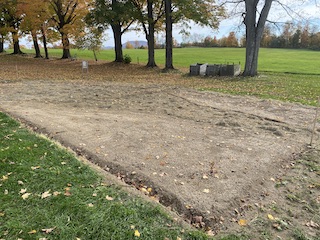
column 204, row 155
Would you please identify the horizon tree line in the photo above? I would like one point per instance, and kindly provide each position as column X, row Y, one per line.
column 72, row 20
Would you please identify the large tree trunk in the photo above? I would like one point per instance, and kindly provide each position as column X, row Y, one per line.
column 44, row 40
column 66, row 46
column 169, row 39
column 117, row 35
column 254, row 33
column 150, row 36
column 35, row 44
column 16, row 45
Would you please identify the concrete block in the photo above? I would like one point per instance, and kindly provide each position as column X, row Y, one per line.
column 213, row 70
column 194, row 69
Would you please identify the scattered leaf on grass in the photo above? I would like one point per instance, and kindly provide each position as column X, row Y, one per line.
column 243, row 222
column 56, row 193
column 20, row 183
column 109, row 198
column 90, row 205
column 6, row 192
column 46, row 194
column 23, row 190
column 48, row 230
column 2, row 214
column 25, row 196
column 136, row 233
column 4, row 177
column 34, row 168
column 67, row 192
column 32, row 232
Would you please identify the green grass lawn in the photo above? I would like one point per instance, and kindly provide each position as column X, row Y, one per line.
column 45, row 193
column 270, row 60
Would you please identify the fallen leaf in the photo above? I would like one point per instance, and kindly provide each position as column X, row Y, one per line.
column 145, row 191
column 6, row 192
column 204, row 177
column 46, row 194
column 34, row 168
column 4, row 177
column 136, row 233
column 90, row 205
column 32, row 232
column 25, row 196
column 178, row 238
column 243, row 222
column 109, row 198
column 1, row 214
column 67, row 192
column 63, row 163
column 48, row 230
column 23, row 190
column 94, row 195
column 270, row 217
column 132, row 227
column 20, row 183
column 56, row 193
column 312, row 224
column 206, row 190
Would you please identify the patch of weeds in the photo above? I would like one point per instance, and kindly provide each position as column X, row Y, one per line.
column 299, row 235
column 293, row 198
column 127, row 59
column 234, row 237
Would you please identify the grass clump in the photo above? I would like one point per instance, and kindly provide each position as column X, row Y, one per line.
column 45, row 192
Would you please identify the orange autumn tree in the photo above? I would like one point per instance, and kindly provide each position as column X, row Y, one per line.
column 10, row 22
column 67, row 17
column 36, row 17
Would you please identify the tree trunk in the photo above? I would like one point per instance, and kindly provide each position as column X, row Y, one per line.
column 35, row 44
column 254, row 33
column 44, row 40
column 150, row 36
column 16, row 45
column 95, row 55
column 66, row 46
column 1, row 44
column 169, row 39
column 117, row 35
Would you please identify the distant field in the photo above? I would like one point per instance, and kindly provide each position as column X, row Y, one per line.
column 271, row 60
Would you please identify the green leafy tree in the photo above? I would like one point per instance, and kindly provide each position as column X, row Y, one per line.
column 115, row 13
column 151, row 20
column 91, row 38
column 202, row 12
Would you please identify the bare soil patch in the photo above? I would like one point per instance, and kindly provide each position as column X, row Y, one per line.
column 213, row 158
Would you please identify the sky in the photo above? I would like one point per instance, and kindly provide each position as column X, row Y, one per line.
column 302, row 9
column 305, row 8
column 226, row 26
